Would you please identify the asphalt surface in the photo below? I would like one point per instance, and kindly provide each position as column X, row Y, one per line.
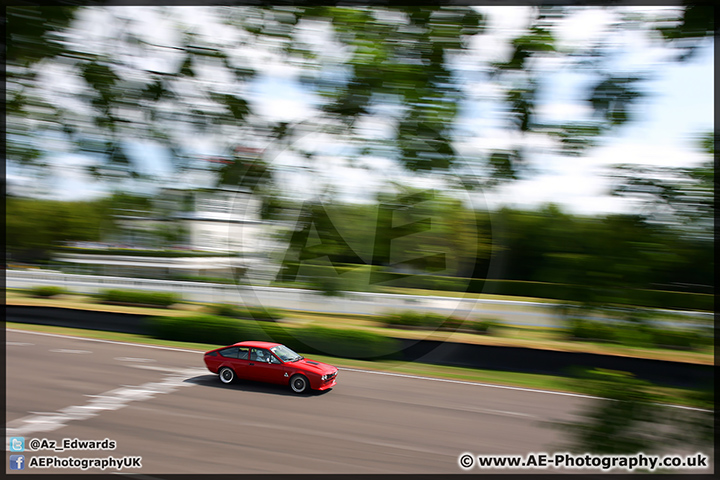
column 163, row 405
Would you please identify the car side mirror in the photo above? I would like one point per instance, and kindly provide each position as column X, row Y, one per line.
column 269, row 360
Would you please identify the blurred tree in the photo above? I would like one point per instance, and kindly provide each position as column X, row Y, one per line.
column 675, row 195
column 32, row 34
column 628, row 417
column 401, row 56
column 252, row 174
column 118, row 97
column 608, row 256
column 407, row 232
column 625, row 419
column 36, row 227
column 35, row 33
column 317, row 240
column 390, row 64
column 424, row 231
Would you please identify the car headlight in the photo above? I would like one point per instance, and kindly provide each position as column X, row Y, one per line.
column 324, row 377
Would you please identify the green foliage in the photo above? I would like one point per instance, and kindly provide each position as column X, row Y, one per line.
column 33, row 32
column 581, row 329
column 557, row 291
column 697, row 22
column 484, row 326
column 202, row 329
column 625, row 420
column 359, row 247
column 328, row 286
column 545, row 254
column 453, row 323
column 224, row 331
column 636, row 334
column 47, row 291
column 340, row 230
column 347, row 343
column 633, row 334
column 247, row 312
column 688, row 193
column 414, row 319
column 272, row 207
column 680, row 339
column 406, row 60
column 610, row 259
column 226, row 310
column 138, row 297
column 36, row 226
column 695, row 427
column 434, row 321
column 425, row 282
column 250, row 173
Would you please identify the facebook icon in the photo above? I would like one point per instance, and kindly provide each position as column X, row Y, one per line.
column 17, row 462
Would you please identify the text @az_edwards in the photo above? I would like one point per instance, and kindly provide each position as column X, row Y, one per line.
column 37, row 444
column 541, row 461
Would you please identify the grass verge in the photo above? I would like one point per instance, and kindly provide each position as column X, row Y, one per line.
column 508, row 335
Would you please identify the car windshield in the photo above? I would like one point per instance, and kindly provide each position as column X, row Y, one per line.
column 285, row 354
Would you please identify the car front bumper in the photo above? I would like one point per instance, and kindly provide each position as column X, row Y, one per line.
column 329, row 384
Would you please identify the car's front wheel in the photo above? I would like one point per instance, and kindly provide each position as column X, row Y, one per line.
column 299, row 383
column 226, row 375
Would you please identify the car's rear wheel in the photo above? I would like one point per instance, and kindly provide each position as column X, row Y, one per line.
column 299, row 383
column 226, row 375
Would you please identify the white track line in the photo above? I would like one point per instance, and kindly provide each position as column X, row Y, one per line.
column 158, row 347
column 462, row 382
column 465, row 382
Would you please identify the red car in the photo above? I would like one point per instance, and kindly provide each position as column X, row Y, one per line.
column 272, row 363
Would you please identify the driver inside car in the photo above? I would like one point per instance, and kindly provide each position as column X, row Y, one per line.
column 259, row 356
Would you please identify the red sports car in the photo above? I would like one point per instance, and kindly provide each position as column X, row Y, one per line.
column 272, row 363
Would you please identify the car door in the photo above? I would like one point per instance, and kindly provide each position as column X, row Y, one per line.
column 237, row 359
column 261, row 370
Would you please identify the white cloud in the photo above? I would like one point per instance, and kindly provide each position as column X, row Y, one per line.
column 564, row 111
column 646, row 154
column 376, row 127
column 503, row 23
column 584, row 27
column 277, row 109
column 581, row 185
column 577, row 192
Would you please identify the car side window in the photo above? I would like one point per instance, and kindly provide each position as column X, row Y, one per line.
column 243, row 353
column 230, row 352
column 262, row 355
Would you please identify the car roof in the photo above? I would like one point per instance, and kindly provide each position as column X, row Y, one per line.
column 252, row 343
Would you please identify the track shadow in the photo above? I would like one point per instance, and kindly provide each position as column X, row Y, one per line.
column 252, row 386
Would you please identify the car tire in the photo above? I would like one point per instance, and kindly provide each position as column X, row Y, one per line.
column 299, row 383
column 226, row 375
